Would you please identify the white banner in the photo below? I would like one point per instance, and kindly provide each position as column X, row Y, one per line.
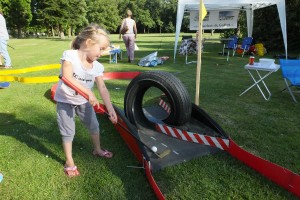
column 215, row 19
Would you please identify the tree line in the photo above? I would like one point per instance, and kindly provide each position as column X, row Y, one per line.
column 68, row 16
column 56, row 17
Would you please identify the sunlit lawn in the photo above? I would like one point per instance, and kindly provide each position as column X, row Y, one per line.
column 31, row 156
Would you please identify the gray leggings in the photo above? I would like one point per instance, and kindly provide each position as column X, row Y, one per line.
column 66, row 119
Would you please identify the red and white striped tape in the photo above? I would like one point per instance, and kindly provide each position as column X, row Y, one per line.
column 193, row 137
column 165, row 105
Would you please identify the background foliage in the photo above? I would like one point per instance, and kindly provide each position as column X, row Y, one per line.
column 56, row 17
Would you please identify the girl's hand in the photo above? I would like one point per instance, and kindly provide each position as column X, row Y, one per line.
column 113, row 116
column 93, row 100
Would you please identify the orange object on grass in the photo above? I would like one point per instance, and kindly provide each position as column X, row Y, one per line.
column 239, row 51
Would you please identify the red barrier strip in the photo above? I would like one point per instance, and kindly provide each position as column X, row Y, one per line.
column 279, row 175
column 152, row 182
column 120, row 75
column 193, row 137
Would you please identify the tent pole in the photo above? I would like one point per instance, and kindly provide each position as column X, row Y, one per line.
column 198, row 72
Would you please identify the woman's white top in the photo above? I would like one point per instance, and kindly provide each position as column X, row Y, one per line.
column 130, row 23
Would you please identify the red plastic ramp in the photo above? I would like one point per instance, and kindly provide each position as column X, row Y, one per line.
column 158, row 193
column 120, row 75
column 280, row 175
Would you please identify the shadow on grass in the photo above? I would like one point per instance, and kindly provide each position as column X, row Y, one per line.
column 48, row 95
column 28, row 134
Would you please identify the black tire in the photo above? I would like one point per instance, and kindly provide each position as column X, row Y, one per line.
column 173, row 89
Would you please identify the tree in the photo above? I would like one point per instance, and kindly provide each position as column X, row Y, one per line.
column 150, row 16
column 141, row 14
column 52, row 14
column 104, row 13
column 4, row 5
column 155, row 8
column 77, row 10
column 168, row 15
column 293, row 25
column 144, row 19
column 241, row 30
column 269, row 31
column 19, row 15
column 59, row 16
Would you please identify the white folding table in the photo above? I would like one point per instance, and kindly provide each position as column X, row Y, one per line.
column 260, row 78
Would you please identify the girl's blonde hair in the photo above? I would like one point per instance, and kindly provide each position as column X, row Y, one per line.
column 89, row 32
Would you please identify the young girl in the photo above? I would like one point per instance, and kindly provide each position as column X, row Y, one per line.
column 81, row 68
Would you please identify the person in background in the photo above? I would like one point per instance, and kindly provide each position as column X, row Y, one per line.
column 129, row 36
column 197, row 36
column 4, row 37
column 81, row 68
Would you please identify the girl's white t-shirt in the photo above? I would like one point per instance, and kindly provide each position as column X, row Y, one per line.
column 85, row 76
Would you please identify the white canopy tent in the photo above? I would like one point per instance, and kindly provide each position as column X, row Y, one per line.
column 248, row 5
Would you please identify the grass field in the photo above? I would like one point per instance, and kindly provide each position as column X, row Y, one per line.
column 31, row 155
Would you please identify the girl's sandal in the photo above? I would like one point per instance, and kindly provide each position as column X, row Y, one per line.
column 105, row 154
column 71, row 171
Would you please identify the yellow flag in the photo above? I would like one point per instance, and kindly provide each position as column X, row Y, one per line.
column 204, row 11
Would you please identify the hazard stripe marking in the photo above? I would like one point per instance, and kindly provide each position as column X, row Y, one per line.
column 181, row 134
column 165, row 106
column 177, row 134
column 193, row 137
column 187, row 136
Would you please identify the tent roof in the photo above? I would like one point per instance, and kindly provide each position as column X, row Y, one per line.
column 248, row 5
column 228, row 4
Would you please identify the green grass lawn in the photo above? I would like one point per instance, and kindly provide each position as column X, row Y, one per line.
column 31, row 155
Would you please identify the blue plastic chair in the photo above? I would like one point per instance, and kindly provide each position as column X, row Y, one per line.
column 291, row 74
column 231, row 45
column 246, row 44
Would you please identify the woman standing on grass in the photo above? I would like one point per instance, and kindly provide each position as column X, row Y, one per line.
column 129, row 35
column 81, row 68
